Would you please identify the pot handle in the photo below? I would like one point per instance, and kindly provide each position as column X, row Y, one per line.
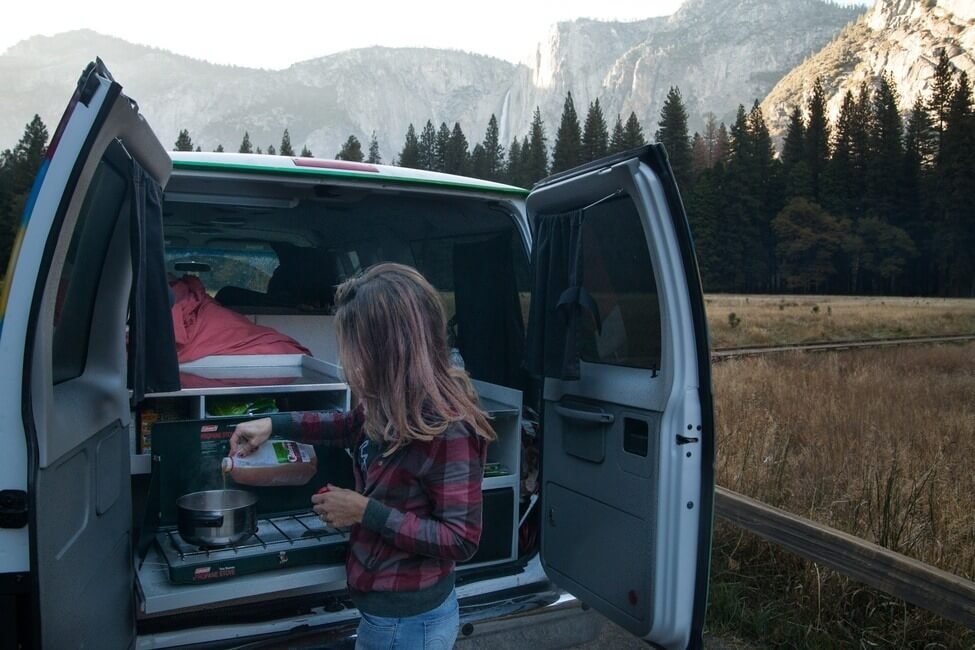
column 211, row 521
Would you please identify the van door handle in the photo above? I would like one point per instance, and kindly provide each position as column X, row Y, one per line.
column 586, row 416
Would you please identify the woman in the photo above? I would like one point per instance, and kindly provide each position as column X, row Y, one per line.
column 419, row 443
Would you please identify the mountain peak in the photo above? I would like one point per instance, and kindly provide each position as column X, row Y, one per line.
column 721, row 54
column 900, row 38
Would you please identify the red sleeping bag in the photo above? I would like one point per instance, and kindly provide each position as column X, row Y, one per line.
column 205, row 328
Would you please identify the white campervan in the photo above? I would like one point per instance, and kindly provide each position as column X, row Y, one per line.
column 588, row 348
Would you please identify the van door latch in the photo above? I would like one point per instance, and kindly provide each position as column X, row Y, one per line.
column 13, row 508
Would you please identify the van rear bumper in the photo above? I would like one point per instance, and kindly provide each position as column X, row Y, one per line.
column 336, row 631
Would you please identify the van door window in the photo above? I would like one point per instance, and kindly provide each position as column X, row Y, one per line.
column 594, row 296
column 618, row 275
column 81, row 274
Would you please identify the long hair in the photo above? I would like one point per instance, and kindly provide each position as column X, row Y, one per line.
column 392, row 336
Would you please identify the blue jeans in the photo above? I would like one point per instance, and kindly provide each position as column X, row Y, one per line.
column 433, row 630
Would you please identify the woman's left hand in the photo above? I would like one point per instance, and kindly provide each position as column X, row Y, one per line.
column 339, row 507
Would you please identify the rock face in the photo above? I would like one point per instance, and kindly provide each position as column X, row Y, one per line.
column 902, row 38
column 321, row 102
column 721, row 53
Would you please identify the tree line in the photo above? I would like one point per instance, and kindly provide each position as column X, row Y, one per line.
column 527, row 159
column 875, row 203
column 351, row 149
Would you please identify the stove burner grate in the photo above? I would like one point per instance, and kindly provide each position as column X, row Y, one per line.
column 272, row 534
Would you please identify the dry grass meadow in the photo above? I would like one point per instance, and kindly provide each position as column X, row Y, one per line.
column 878, row 443
column 737, row 320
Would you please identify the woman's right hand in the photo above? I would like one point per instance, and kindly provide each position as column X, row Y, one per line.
column 248, row 436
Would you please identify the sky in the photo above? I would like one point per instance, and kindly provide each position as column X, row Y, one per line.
column 276, row 34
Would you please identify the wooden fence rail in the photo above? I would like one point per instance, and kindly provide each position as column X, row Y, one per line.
column 827, row 346
column 920, row 584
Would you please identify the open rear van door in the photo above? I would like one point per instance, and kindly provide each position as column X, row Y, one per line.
column 67, row 300
column 618, row 330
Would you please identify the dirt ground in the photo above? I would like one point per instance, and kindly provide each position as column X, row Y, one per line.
column 573, row 628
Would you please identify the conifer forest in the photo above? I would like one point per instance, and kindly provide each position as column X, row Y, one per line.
column 875, row 201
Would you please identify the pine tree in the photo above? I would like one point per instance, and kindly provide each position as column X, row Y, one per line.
column 286, row 148
column 28, row 154
column 410, row 155
column 513, row 174
column 198, row 149
column 493, row 152
column 844, row 187
column 7, row 220
column 259, row 150
column 183, row 141
column 633, row 133
column 794, row 166
column 705, row 204
column 792, row 149
column 766, row 185
column 919, row 135
column 595, row 135
column 740, row 145
column 525, row 163
column 351, row 150
column 428, row 148
column 763, row 150
column 306, row 152
column 479, row 162
column 245, row 144
column 567, row 150
column 440, row 148
column 699, row 154
column 705, row 148
column 672, row 133
column 219, row 148
column 271, row 151
column 942, row 88
column 18, row 169
column 457, row 156
column 537, row 150
column 886, row 154
column 817, row 137
column 722, row 145
column 374, row 157
column 735, row 230
column 917, row 182
column 710, row 137
column 617, row 141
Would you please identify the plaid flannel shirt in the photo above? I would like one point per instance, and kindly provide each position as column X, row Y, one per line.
column 424, row 511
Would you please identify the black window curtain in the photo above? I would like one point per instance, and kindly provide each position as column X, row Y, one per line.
column 558, row 297
column 490, row 329
column 153, row 366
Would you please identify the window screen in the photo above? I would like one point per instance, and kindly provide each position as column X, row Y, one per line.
column 82, row 272
column 618, row 275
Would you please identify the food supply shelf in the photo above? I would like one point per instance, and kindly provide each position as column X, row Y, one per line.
column 257, row 374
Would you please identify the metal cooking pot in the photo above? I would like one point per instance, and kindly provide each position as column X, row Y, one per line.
column 217, row 517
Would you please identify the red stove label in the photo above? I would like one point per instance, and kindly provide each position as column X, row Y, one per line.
column 209, row 428
column 204, row 573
